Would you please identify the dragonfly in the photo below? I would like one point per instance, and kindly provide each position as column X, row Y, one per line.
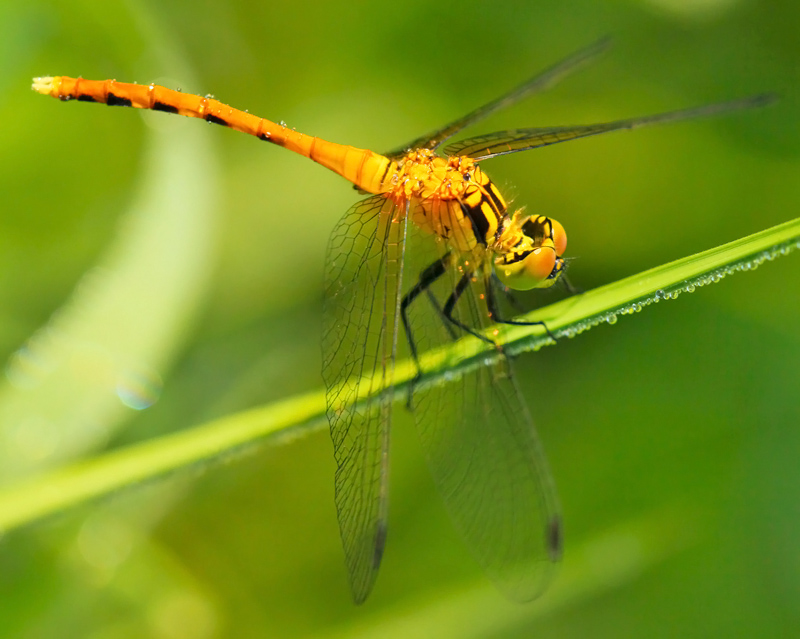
column 433, row 248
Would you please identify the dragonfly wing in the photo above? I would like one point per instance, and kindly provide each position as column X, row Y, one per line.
column 484, row 454
column 491, row 145
column 361, row 317
column 488, row 465
column 536, row 84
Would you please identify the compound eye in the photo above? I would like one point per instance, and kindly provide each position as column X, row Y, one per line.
column 559, row 237
column 532, row 271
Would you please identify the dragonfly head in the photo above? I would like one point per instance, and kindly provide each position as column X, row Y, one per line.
column 534, row 259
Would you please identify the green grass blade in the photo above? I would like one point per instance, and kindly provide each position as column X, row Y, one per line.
column 217, row 440
column 605, row 305
column 54, row 491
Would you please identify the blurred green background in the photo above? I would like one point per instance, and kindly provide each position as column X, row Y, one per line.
column 141, row 252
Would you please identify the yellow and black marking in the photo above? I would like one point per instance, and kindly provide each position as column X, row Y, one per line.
column 484, row 207
column 483, row 218
column 538, row 229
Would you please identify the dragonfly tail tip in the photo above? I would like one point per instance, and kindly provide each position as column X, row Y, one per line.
column 43, row 85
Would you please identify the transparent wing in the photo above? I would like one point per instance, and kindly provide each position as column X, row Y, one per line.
column 503, row 142
column 536, row 84
column 362, row 292
column 483, row 451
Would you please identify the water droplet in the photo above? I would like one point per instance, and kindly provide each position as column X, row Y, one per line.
column 31, row 363
column 139, row 389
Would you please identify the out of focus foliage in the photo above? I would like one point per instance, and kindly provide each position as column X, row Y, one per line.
column 145, row 257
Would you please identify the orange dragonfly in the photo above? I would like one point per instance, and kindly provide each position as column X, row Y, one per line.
column 437, row 221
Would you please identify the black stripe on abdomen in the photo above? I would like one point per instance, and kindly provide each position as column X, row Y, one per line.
column 115, row 100
column 214, row 119
column 166, row 108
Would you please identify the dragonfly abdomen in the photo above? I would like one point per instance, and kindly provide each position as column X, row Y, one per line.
column 362, row 167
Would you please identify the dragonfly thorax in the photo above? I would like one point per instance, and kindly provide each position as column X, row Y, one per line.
column 422, row 174
column 451, row 198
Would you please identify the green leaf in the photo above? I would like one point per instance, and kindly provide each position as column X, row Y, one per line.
column 54, row 491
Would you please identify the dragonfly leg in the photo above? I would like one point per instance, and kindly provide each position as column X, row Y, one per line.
column 426, row 280
column 491, row 302
column 496, row 284
column 461, row 286
column 569, row 286
column 440, row 311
